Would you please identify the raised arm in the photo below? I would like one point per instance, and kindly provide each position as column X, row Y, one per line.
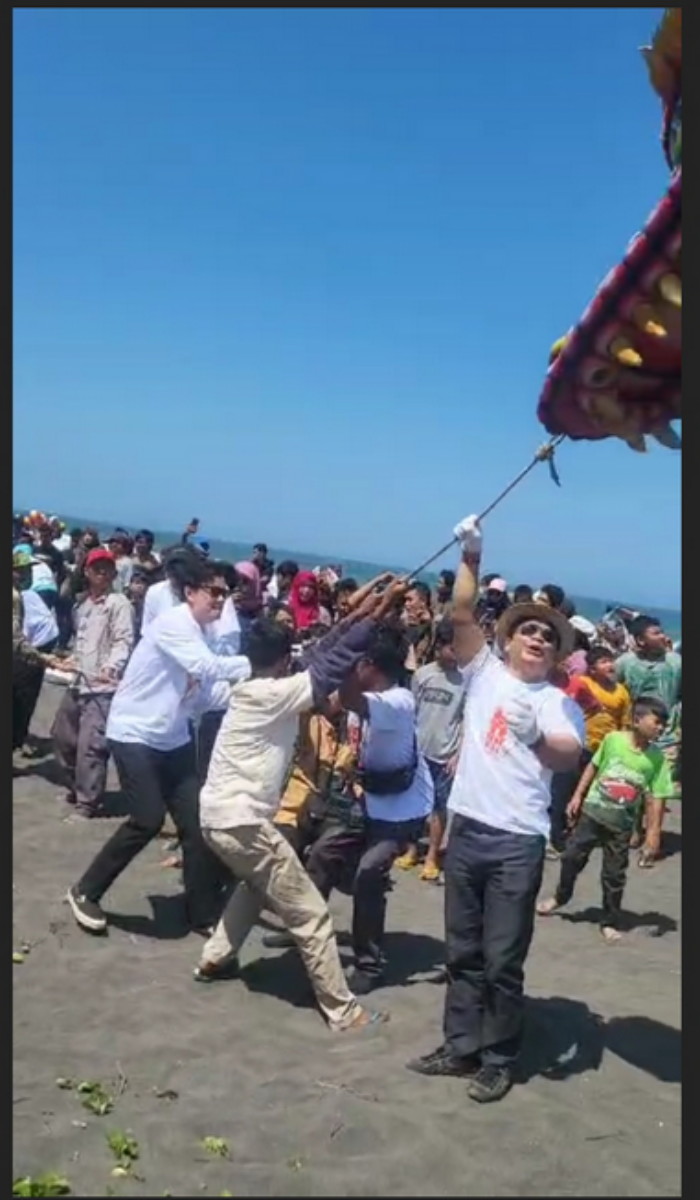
column 468, row 636
column 334, row 659
column 358, row 597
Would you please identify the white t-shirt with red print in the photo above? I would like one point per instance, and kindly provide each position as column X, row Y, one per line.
column 499, row 781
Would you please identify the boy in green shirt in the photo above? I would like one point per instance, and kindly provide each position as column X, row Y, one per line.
column 626, row 771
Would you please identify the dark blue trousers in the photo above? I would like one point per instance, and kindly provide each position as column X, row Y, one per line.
column 491, row 883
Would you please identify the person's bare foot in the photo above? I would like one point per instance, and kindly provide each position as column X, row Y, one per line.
column 609, row 934
column 364, row 1020
column 545, row 908
column 173, row 860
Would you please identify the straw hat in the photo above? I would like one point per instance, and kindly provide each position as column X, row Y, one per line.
column 516, row 614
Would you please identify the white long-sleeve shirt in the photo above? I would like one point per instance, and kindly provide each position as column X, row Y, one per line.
column 171, row 675
column 223, row 637
column 159, row 598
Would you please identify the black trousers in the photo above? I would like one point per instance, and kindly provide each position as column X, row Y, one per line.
column 155, row 782
column 209, row 726
column 491, row 883
column 27, row 679
column 615, row 844
column 368, row 857
column 564, row 785
column 26, row 685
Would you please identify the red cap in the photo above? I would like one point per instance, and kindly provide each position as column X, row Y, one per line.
column 99, row 555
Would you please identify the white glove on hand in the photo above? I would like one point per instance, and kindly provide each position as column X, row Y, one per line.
column 521, row 720
column 468, row 535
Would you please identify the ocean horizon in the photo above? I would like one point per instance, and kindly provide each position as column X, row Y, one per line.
column 591, row 607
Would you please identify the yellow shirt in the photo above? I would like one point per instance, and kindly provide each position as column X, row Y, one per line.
column 606, row 710
column 318, row 755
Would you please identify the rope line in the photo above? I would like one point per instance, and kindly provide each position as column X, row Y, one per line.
column 544, row 454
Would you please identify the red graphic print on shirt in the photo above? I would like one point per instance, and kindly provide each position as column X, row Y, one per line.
column 497, row 732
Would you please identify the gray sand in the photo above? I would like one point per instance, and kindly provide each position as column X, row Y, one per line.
column 307, row 1113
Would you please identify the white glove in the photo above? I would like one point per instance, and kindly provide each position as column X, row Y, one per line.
column 468, row 535
column 521, row 720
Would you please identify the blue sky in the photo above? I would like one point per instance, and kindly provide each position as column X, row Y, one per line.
column 298, row 272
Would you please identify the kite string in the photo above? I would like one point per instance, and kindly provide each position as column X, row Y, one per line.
column 544, row 454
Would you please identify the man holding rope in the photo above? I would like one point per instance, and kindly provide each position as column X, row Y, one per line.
column 518, row 729
column 104, row 639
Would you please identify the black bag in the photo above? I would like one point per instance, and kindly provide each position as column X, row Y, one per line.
column 389, row 783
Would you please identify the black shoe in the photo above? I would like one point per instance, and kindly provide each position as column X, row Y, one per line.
column 490, row 1083
column 87, row 913
column 212, row 973
column 280, row 940
column 442, row 1062
column 361, row 984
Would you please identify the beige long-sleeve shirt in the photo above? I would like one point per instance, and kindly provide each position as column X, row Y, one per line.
column 104, row 639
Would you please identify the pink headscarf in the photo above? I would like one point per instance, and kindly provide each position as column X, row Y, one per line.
column 250, row 572
column 305, row 612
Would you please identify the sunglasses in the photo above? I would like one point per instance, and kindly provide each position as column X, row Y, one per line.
column 548, row 635
column 216, row 592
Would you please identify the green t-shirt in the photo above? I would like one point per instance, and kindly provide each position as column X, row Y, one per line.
column 625, row 776
column 660, row 677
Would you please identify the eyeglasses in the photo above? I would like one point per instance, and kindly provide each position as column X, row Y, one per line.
column 548, row 635
column 216, row 592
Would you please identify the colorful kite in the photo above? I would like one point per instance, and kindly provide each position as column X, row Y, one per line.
column 617, row 373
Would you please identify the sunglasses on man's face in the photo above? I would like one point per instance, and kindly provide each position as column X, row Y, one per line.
column 216, row 592
column 548, row 635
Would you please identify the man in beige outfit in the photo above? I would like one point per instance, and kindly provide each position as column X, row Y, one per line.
column 242, row 793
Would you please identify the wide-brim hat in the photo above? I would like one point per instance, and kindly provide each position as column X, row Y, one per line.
column 516, row 614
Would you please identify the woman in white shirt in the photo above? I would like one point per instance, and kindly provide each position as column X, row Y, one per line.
column 171, row 675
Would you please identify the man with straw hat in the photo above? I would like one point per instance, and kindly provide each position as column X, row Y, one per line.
column 518, row 729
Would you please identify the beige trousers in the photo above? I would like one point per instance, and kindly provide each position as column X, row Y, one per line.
column 271, row 876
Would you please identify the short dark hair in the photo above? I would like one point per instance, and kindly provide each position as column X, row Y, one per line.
column 598, row 654
column 444, row 632
column 288, row 567
column 268, row 643
column 147, row 534
column 649, row 704
column 449, row 578
column 345, row 585
column 386, row 650
column 522, row 594
column 76, row 534
column 554, row 594
column 223, row 569
column 197, row 572
column 417, row 585
column 178, row 563
column 567, row 608
column 641, row 625
column 260, row 546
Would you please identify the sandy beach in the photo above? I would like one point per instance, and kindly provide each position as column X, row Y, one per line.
column 303, row 1112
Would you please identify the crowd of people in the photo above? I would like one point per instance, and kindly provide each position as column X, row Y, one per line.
column 307, row 733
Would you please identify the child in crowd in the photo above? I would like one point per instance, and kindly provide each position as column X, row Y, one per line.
column 606, row 703
column 627, row 771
